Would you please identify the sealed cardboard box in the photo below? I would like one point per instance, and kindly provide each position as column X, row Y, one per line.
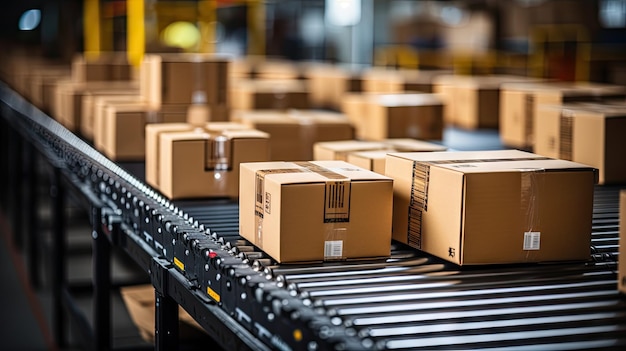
column 492, row 207
column 140, row 302
column 375, row 160
column 120, row 131
column 417, row 116
column 592, row 135
column 621, row 273
column 108, row 66
column 389, row 81
column 473, row 102
column 315, row 211
column 519, row 101
column 329, row 83
column 339, row 150
column 201, row 163
column 40, row 82
column 94, row 105
column 294, row 132
column 269, row 95
column 184, row 79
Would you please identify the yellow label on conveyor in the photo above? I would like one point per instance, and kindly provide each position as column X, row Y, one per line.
column 179, row 264
column 215, row 296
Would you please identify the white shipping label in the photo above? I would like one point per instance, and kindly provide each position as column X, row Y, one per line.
column 532, row 240
column 333, row 249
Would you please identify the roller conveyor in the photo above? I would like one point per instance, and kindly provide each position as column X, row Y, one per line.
column 411, row 300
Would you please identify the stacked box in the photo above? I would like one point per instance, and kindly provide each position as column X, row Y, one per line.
column 269, row 94
column 184, row 79
column 589, row 134
column 119, row 130
column 492, row 207
column 519, row 101
column 184, row 161
column 293, row 133
column 375, row 160
column 315, row 211
column 472, row 102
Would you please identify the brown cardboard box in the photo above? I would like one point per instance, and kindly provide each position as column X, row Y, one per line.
column 389, row 81
column 120, row 133
column 296, row 221
column 109, row 66
column 417, row 116
column 592, row 135
column 329, row 83
column 140, row 302
column 269, row 95
column 375, row 160
column 274, row 68
column 41, row 80
column 518, row 103
column 184, row 79
column 293, row 133
column 94, row 106
column 492, row 207
column 473, row 102
column 339, row 150
column 68, row 99
column 188, row 164
column 621, row 270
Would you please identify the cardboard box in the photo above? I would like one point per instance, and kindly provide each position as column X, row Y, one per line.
column 390, row 81
column 294, row 132
column 94, row 106
column 339, row 150
column 315, row 211
column 519, row 101
column 375, row 160
column 40, row 82
column 621, row 269
column 184, row 79
column 473, row 102
column 492, row 207
column 417, row 116
column 120, row 133
column 592, row 135
column 108, row 66
column 69, row 98
column 201, row 162
column 328, row 84
column 269, row 95
column 140, row 303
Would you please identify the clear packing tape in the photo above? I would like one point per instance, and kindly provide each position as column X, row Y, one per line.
column 336, row 206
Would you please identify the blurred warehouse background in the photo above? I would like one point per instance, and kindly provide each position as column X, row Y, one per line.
column 564, row 39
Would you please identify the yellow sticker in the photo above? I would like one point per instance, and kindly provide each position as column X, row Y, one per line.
column 215, row 296
column 297, row 335
column 179, row 264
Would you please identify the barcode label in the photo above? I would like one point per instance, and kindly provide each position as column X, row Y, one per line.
column 333, row 249
column 532, row 240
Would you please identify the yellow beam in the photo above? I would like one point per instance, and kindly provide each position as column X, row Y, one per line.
column 91, row 27
column 206, row 24
column 135, row 31
column 256, row 27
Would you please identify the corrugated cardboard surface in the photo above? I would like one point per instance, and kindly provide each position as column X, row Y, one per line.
column 293, row 227
column 181, row 170
column 621, row 275
column 269, row 95
column 593, row 136
column 339, row 150
column 468, row 210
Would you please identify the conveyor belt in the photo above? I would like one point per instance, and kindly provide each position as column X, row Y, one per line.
column 410, row 301
column 416, row 301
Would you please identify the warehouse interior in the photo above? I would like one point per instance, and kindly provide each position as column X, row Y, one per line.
column 160, row 160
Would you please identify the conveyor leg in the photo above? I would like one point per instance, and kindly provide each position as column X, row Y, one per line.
column 101, row 283
column 57, row 194
column 166, row 323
